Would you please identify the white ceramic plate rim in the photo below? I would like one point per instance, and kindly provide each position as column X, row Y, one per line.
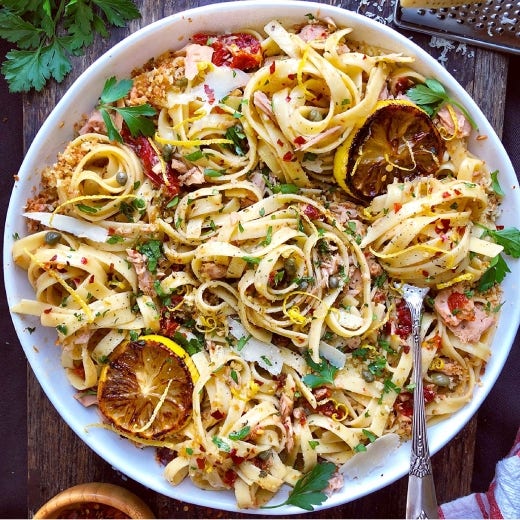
column 173, row 32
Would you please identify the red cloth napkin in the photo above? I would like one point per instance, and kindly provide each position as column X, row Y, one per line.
column 502, row 500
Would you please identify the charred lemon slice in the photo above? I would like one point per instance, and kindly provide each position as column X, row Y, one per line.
column 397, row 141
column 146, row 387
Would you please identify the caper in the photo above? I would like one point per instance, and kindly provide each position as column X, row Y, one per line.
column 52, row 237
column 367, row 375
column 167, row 152
column 333, row 282
column 303, row 285
column 121, row 178
column 264, row 455
column 181, row 82
column 315, row 115
column 290, row 267
column 440, row 379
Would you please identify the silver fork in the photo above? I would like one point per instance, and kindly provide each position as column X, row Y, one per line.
column 420, row 501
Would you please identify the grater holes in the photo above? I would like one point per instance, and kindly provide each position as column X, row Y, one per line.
column 489, row 22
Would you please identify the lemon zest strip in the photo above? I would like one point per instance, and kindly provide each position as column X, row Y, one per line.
column 134, row 438
column 403, row 168
column 293, row 313
column 65, row 285
column 191, row 143
column 156, row 409
column 91, row 197
column 456, row 127
column 208, row 324
column 460, row 278
column 251, row 392
column 189, row 120
column 341, row 407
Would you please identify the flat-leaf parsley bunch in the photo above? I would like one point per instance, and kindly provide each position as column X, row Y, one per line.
column 46, row 33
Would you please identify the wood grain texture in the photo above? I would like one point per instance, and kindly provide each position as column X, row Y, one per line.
column 58, row 459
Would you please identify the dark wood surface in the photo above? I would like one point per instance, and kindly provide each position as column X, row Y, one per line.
column 57, row 458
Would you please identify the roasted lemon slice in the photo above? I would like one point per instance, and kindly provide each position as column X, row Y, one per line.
column 397, row 141
column 146, row 387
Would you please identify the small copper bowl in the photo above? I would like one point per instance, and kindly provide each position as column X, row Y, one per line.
column 95, row 500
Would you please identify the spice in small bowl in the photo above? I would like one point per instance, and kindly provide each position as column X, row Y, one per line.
column 95, row 500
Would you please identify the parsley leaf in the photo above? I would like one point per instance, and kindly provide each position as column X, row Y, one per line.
column 308, row 490
column 431, row 96
column 191, row 346
column 495, row 273
column 508, row 238
column 135, row 117
column 46, row 34
column 325, row 372
column 114, row 90
column 240, row 434
column 153, row 252
column 237, row 135
column 495, row 184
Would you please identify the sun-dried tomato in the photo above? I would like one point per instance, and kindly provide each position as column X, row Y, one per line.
column 167, row 324
column 311, row 212
column 237, row 50
column 404, row 404
column 229, row 478
column 237, row 459
column 331, row 409
column 457, row 301
column 146, row 152
column 429, row 394
column 403, row 327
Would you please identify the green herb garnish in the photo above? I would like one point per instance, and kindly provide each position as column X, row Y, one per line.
column 494, row 274
column 47, row 33
column 153, row 252
column 495, row 184
column 324, row 372
column 508, row 238
column 240, row 434
column 308, row 490
column 431, row 96
column 135, row 117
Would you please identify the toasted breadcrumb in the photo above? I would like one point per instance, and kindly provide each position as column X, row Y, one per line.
column 153, row 81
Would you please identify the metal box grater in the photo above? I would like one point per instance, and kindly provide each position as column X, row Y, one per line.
column 494, row 24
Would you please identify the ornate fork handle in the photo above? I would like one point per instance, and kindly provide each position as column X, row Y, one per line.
column 421, row 501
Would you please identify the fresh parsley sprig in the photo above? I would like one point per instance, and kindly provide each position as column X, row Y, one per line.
column 308, row 490
column 431, row 96
column 495, row 183
column 324, row 372
column 494, row 274
column 509, row 239
column 136, row 117
column 47, row 33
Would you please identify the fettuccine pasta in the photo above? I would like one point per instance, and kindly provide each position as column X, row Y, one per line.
column 227, row 232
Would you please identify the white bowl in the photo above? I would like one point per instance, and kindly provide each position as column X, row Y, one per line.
column 173, row 32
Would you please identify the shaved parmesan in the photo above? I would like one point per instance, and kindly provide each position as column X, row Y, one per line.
column 217, row 84
column 332, row 355
column 267, row 355
column 74, row 226
column 349, row 321
column 220, row 82
column 364, row 462
column 483, row 247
